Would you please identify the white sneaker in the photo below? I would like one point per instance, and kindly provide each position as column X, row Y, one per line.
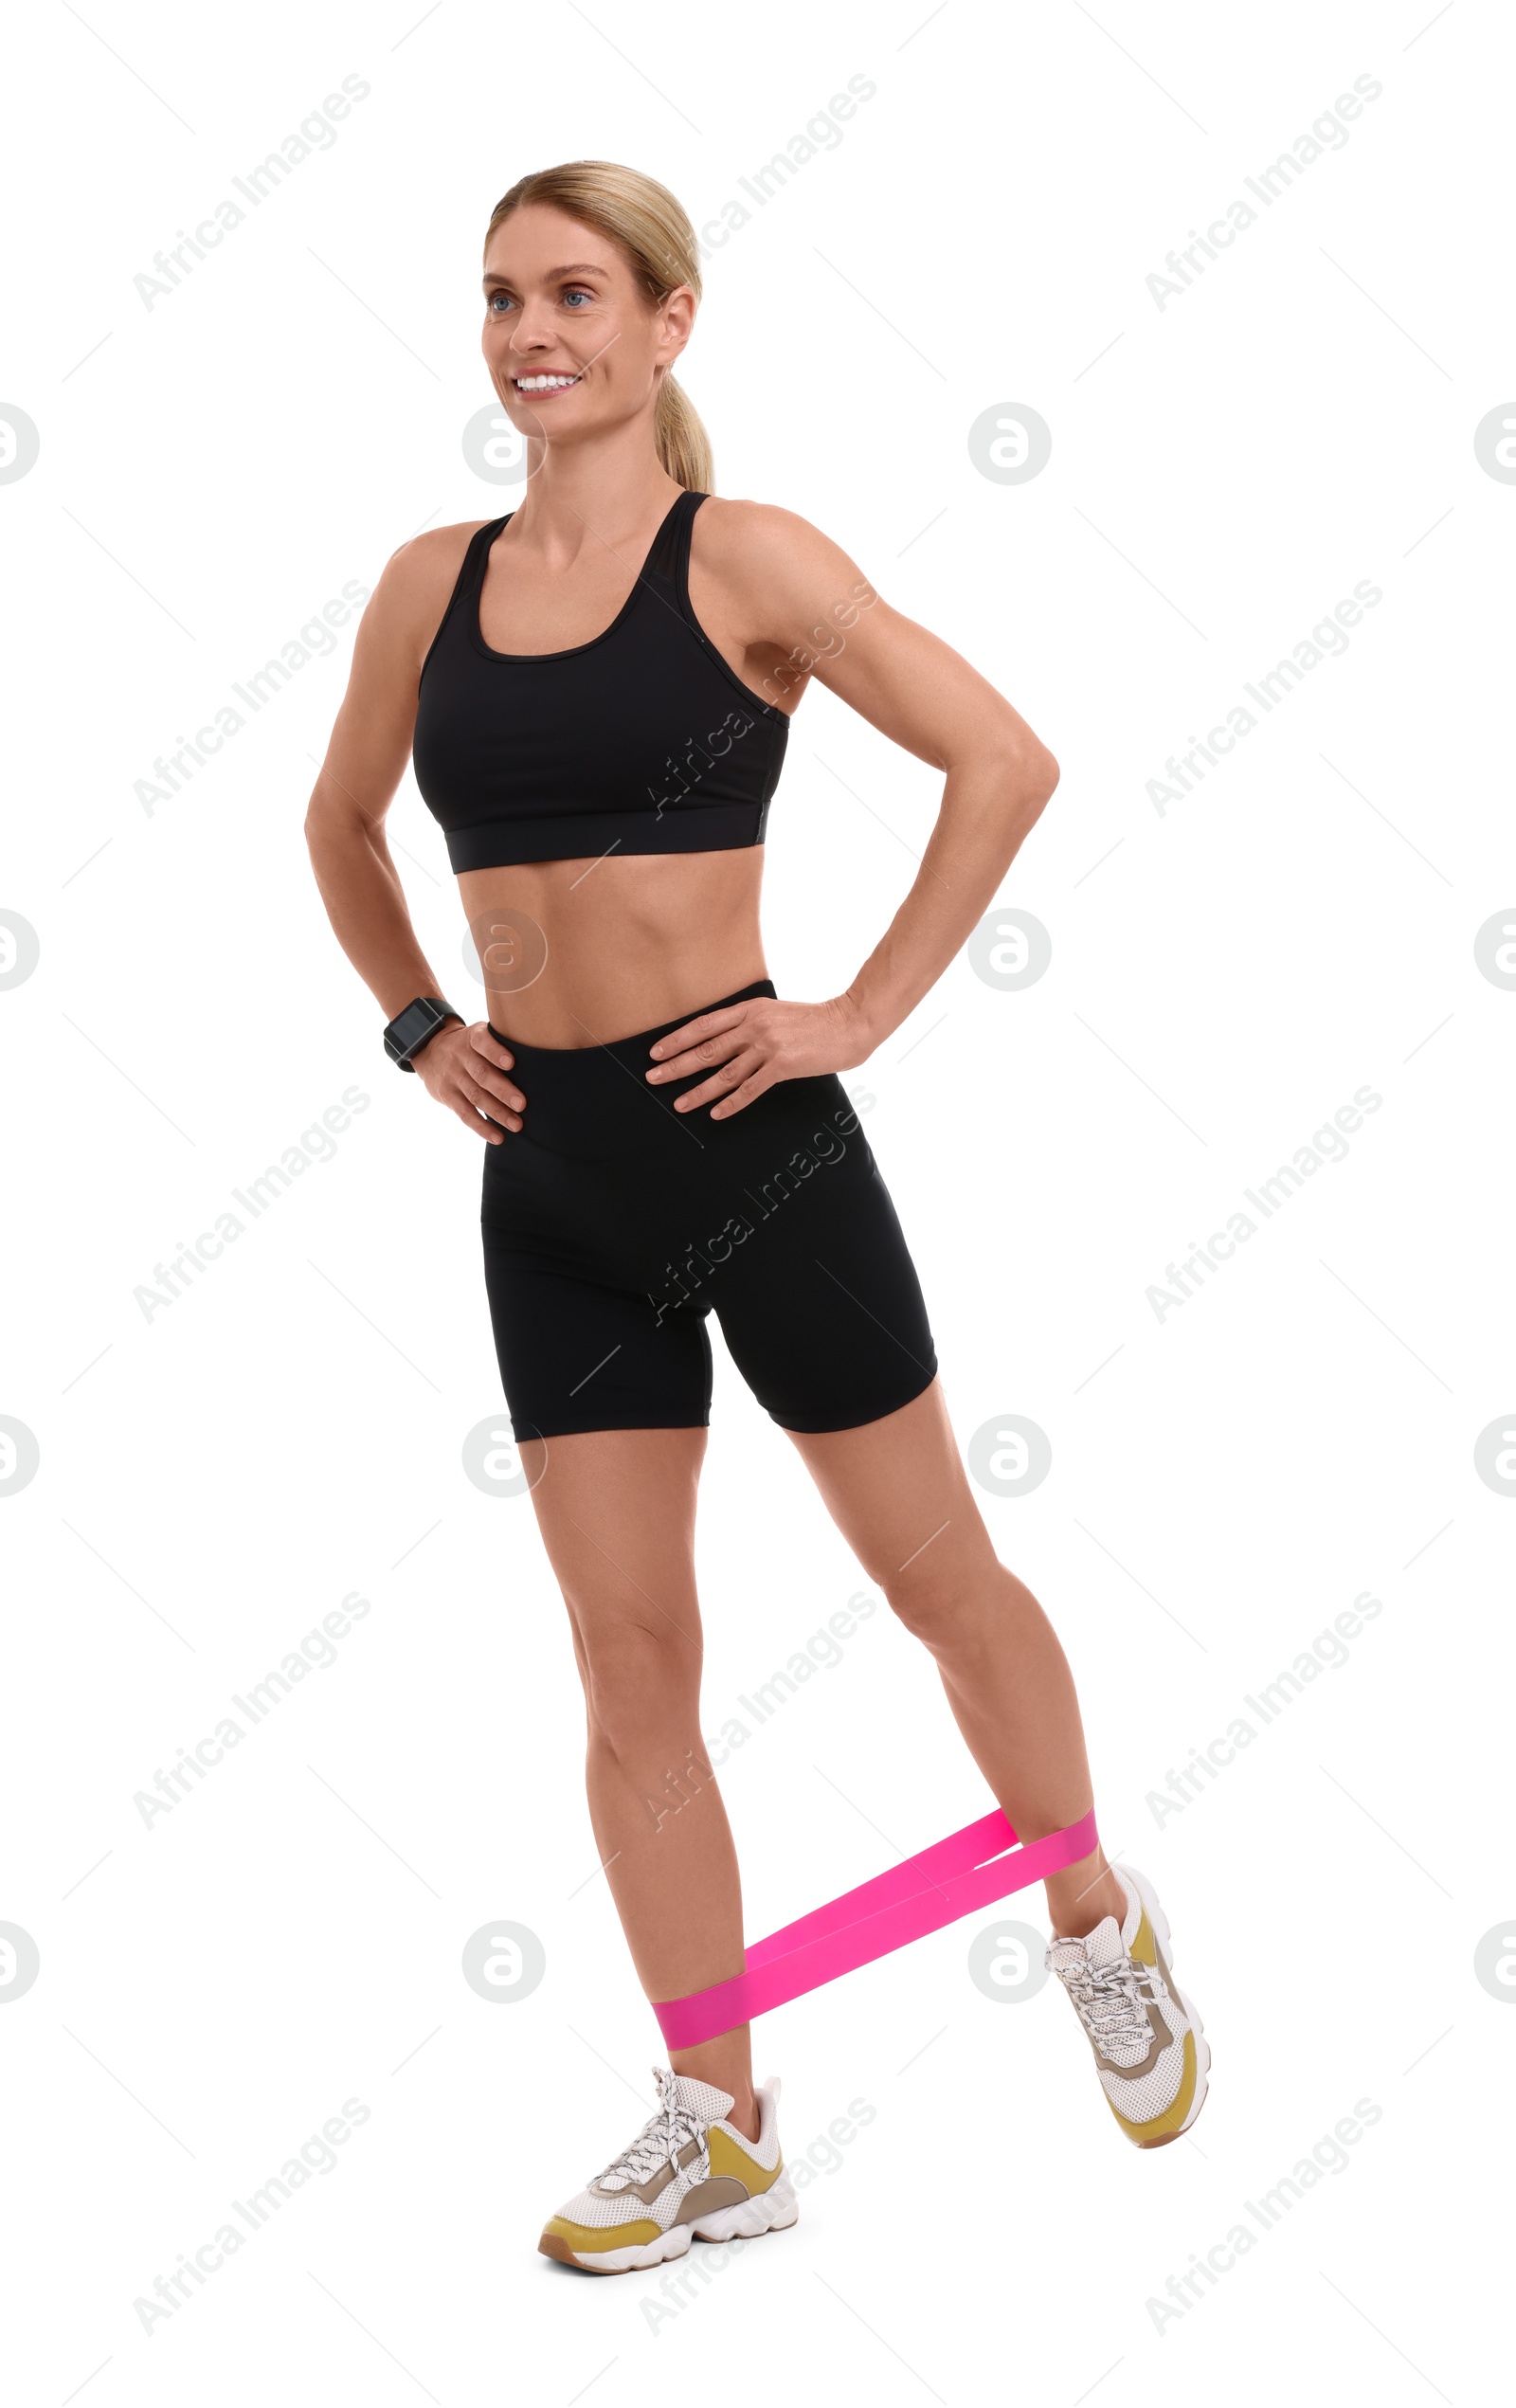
column 1148, row 2041
column 688, row 2174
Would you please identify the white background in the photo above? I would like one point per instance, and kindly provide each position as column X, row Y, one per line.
column 1225, row 1480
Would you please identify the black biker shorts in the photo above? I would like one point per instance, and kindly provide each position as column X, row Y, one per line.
column 613, row 1226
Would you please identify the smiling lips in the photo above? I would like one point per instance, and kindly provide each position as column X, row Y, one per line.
column 538, row 385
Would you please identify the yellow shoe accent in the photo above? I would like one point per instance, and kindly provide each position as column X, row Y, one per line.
column 1164, row 2128
column 592, row 2240
column 728, row 2157
column 1146, row 1951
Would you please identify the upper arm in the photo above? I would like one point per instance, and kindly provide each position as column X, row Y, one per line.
column 813, row 601
column 371, row 736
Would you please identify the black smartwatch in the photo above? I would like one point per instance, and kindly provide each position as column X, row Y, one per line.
column 412, row 1028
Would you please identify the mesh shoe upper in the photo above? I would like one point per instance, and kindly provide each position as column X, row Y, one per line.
column 671, row 2155
column 1126, row 2001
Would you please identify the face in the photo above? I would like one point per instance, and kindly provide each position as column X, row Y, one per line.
column 571, row 342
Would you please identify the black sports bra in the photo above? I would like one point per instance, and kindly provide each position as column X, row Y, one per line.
column 640, row 741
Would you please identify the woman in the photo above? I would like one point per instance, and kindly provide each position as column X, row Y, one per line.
column 598, row 688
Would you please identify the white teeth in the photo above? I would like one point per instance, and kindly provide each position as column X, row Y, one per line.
column 543, row 384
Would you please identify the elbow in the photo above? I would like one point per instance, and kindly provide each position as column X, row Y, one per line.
column 328, row 824
column 1026, row 772
column 317, row 815
column 1045, row 774
column 1034, row 779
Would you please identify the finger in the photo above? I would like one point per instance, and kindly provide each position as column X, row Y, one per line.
column 472, row 1120
column 489, row 1060
column 479, row 1107
column 723, row 1083
column 763, row 1078
column 694, row 1032
column 702, row 1057
column 491, row 1083
column 480, row 1037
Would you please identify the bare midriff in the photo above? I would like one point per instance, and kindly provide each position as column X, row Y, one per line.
column 581, row 953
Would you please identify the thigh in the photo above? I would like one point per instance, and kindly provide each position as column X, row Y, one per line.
column 897, row 1490
column 616, row 1511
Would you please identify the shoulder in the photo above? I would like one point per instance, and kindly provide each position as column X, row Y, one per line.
column 761, row 537
column 783, row 576
column 426, row 569
column 412, row 593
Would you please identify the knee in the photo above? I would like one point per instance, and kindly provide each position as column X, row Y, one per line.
column 640, row 1682
column 943, row 1604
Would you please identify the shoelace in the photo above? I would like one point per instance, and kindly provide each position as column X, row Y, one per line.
column 661, row 2137
column 1108, row 2001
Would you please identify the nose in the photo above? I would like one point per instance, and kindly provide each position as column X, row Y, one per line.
column 530, row 331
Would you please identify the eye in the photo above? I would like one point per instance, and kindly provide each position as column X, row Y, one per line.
column 497, row 304
column 578, row 293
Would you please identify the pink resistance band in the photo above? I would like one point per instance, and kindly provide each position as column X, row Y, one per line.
column 955, row 1877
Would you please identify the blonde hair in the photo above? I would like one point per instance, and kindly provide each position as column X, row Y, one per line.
column 646, row 223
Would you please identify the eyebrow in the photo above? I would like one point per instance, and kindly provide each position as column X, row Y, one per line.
column 576, row 268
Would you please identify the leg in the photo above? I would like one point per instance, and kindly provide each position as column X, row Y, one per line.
column 616, row 1510
column 898, row 1492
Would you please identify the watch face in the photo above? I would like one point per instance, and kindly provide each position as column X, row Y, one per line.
column 410, row 1027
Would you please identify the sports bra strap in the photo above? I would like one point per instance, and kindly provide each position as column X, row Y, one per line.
column 468, row 580
column 471, row 574
column 670, row 556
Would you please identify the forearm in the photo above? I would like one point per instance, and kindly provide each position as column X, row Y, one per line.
column 988, row 806
column 365, row 905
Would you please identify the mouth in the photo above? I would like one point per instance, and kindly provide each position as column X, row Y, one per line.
column 538, row 388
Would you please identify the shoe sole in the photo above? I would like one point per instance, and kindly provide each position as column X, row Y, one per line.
column 771, row 2211
column 1203, row 2052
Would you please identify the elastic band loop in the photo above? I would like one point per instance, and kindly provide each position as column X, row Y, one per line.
column 956, row 1877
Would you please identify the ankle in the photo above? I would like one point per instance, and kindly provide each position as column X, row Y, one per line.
column 745, row 2116
column 1076, row 1908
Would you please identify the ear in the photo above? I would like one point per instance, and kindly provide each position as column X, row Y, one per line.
column 677, row 324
